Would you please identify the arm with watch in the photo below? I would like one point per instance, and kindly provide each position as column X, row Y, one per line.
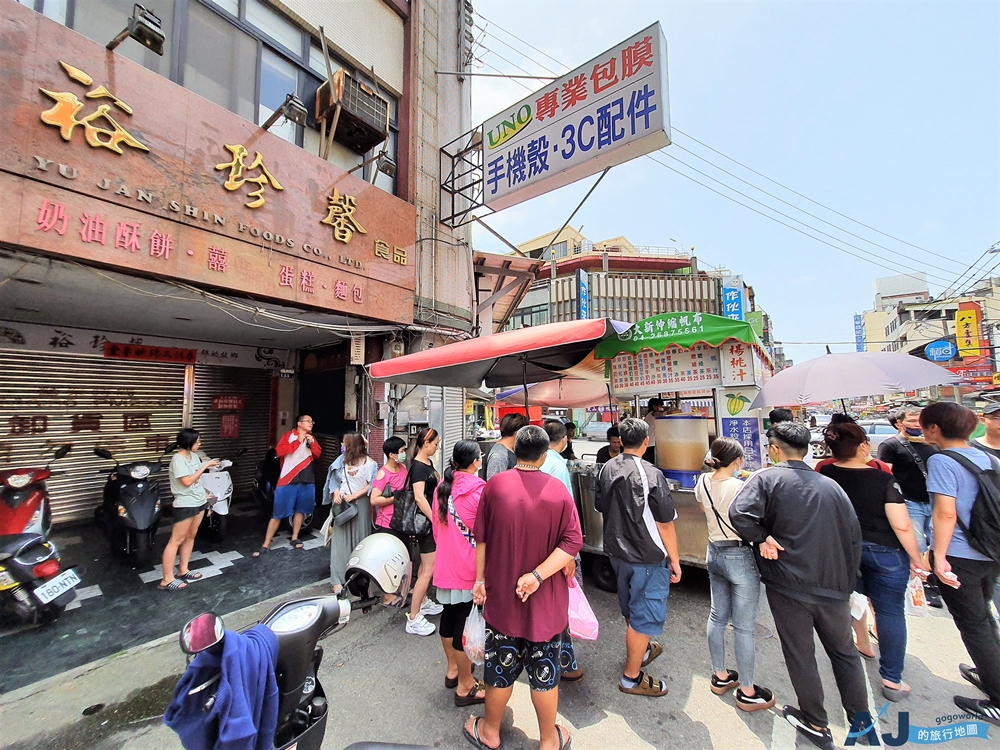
column 528, row 583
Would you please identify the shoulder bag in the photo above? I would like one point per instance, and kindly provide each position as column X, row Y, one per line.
column 723, row 525
column 407, row 518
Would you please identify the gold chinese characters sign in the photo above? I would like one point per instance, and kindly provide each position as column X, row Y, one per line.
column 114, row 164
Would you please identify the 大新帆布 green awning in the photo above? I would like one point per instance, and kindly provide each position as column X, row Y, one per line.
column 679, row 329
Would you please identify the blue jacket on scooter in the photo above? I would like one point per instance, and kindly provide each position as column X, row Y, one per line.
column 244, row 714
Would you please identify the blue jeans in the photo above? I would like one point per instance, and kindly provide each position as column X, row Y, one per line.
column 920, row 515
column 735, row 582
column 885, row 571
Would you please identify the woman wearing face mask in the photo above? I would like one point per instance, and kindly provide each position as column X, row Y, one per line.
column 889, row 550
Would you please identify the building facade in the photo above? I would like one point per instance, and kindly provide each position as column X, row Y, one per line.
column 170, row 262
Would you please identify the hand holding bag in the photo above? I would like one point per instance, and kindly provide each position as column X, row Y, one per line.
column 474, row 636
column 407, row 517
column 583, row 622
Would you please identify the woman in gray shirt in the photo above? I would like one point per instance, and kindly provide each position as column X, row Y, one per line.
column 190, row 502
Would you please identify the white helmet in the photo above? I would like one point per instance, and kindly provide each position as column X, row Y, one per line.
column 384, row 562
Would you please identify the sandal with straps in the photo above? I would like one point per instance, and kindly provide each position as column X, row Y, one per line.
column 646, row 685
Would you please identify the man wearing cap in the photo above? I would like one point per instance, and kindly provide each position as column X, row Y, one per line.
column 990, row 442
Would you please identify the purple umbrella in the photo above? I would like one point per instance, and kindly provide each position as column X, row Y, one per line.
column 851, row 375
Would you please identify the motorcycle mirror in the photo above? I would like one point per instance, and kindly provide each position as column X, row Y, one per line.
column 170, row 448
column 240, row 452
column 62, row 451
column 104, row 453
column 202, row 633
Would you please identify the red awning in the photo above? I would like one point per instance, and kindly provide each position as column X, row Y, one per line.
column 534, row 354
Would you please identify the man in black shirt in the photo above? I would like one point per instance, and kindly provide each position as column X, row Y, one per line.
column 613, row 448
column 808, row 543
column 907, row 454
column 568, row 453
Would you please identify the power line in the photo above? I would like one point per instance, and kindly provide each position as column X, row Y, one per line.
column 778, row 221
column 791, row 218
column 486, row 32
column 807, row 213
column 522, row 41
column 821, row 205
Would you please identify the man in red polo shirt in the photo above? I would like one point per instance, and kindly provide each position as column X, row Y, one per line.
column 527, row 533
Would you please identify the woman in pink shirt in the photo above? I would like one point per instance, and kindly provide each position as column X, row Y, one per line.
column 456, row 501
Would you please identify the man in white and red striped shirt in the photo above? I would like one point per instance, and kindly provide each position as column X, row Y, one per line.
column 295, row 494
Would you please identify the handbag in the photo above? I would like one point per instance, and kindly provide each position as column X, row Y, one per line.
column 459, row 523
column 343, row 512
column 407, row 518
column 583, row 622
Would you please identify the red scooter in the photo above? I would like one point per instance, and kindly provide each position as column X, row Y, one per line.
column 24, row 499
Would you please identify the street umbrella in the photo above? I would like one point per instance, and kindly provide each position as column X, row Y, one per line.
column 565, row 393
column 850, row 375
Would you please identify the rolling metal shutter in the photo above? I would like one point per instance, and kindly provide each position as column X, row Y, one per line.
column 454, row 421
column 134, row 409
column 254, row 387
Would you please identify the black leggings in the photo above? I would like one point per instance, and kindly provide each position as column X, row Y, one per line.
column 452, row 623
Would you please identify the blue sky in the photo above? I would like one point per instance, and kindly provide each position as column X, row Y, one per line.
column 886, row 111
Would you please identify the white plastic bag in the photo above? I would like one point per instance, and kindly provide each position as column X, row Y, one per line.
column 859, row 605
column 474, row 636
column 916, row 602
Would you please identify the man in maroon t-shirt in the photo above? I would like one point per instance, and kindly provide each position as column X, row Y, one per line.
column 527, row 533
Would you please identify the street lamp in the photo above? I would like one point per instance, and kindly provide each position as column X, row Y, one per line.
column 145, row 27
column 292, row 108
column 383, row 163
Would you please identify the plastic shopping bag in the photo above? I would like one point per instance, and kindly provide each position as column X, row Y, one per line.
column 859, row 605
column 916, row 602
column 582, row 620
column 474, row 636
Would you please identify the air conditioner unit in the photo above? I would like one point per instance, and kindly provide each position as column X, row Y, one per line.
column 364, row 115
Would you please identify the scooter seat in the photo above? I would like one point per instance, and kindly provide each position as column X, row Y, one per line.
column 12, row 545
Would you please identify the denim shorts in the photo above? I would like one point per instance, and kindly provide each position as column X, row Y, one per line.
column 298, row 497
column 642, row 595
column 507, row 657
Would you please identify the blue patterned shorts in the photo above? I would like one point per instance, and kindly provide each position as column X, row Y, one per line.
column 507, row 657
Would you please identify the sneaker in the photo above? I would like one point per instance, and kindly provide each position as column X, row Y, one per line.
column 819, row 737
column 971, row 674
column 721, row 687
column 430, row 608
column 762, row 699
column 419, row 625
column 986, row 710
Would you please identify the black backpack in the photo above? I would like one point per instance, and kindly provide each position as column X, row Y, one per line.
column 983, row 531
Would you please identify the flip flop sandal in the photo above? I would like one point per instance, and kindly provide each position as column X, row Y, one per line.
column 190, row 576
column 569, row 740
column 175, row 585
column 450, row 682
column 475, row 696
column 261, row 551
column 869, row 657
column 297, row 544
column 655, row 649
column 646, row 686
column 474, row 736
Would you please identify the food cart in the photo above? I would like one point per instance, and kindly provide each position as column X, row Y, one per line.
column 678, row 356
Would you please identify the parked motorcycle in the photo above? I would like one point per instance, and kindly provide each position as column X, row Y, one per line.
column 24, row 498
column 219, row 483
column 33, row 586
column 379, row 565
column 131, row 511
column 265, row 480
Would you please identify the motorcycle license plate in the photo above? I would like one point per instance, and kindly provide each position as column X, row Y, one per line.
column 57, row 586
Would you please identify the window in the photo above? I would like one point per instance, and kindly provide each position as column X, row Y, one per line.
column 278, row 78
column 558, row 250
column 535, row 315
column 220, row 62
column 275, row 26
column 102, row 20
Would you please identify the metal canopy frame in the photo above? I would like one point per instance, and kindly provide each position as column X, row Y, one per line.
column 462, row 179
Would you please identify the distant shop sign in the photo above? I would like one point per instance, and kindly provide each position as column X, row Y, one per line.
column 606, row 112
column 941, row 351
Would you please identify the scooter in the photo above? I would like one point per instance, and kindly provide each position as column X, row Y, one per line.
column 219, row 483
column 131, row 511
column 24, row 498
column 265, row 480
column 33, row 585
column 380, row 564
